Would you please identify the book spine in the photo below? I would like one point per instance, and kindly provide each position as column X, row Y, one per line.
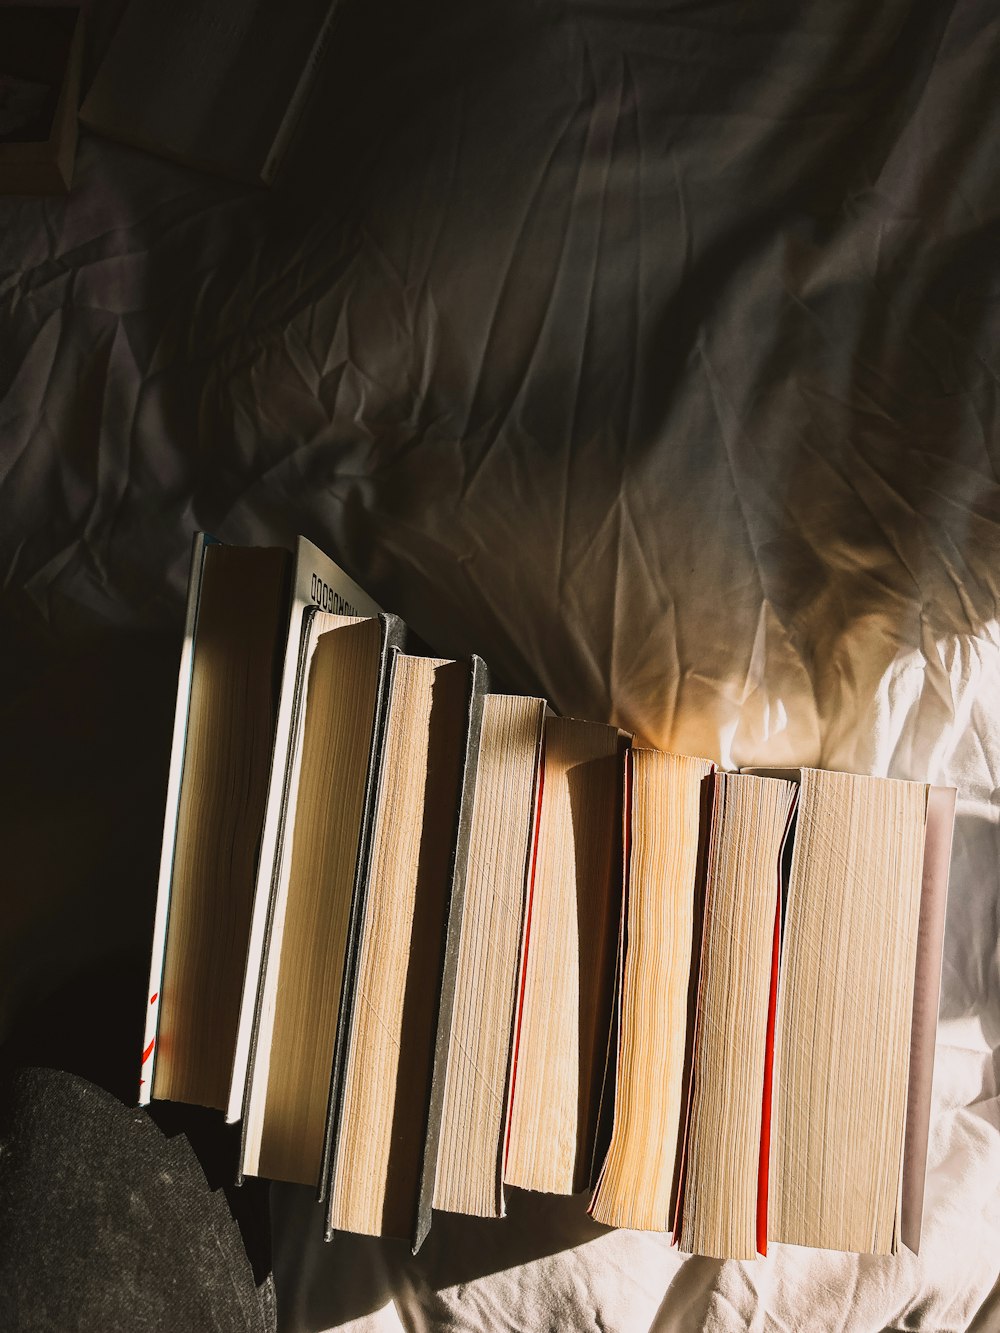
column 938, row 834
column 298, row 100
column 174, row 777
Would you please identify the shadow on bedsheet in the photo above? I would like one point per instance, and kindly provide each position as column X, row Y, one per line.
column 970, row 971
column 321, row 1286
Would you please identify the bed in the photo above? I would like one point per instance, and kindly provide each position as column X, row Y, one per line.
column 649, row 351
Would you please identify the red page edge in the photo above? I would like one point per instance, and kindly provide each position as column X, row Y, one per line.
column 765, row 1114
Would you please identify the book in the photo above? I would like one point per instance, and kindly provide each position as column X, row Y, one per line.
column 41, row 55
column 660, row 943
column 477, row 1045
column 214, row 84
column 334, row 765
column 938, row 835
column 242, row 624
column 228, row 732
column 468, row 786
column 857, row 1006
column 317, row 582
column 566, row 994
column 382, row 1153
column 723, row 1199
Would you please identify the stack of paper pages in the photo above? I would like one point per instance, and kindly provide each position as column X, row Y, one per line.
column 426, row 940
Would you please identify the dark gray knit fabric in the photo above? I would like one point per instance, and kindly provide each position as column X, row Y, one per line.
column 106, row 1225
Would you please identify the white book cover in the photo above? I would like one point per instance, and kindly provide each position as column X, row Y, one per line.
column 175, row 774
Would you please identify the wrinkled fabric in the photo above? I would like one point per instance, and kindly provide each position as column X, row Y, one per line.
column 648, row 350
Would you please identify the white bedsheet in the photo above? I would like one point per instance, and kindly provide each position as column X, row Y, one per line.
column 654, row 361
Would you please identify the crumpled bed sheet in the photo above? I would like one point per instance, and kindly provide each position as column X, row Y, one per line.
column 649, row 351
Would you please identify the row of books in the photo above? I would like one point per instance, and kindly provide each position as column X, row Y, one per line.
column 425, row 940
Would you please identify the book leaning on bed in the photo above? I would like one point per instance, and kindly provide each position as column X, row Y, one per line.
column 245, row 626
column 482, row 944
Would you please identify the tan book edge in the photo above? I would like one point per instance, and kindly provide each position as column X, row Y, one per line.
column 376, row 1180
column 938, row 835
column 568, row 974
column 849, row 957
column 722, row 1154
column 474, row 1116
column 319, row 582
column 304, row 970
column 659, row 941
